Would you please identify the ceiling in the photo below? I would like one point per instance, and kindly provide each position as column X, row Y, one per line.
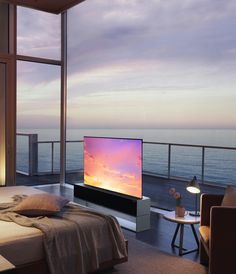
column 53, row 6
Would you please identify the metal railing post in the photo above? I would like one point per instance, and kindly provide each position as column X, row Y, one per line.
column 203, row 163
column 33, row 154
column 169, row 159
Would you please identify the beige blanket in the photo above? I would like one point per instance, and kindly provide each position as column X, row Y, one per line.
column 71, row 239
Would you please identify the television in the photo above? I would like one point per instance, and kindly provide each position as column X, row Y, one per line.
column 114, row 164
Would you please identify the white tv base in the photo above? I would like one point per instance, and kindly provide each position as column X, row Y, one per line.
column 135, row 218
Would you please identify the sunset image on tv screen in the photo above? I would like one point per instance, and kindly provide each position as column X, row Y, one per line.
column 114, row 164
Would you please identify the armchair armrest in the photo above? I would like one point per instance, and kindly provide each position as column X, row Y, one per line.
column 222, row 239
column 207, row 201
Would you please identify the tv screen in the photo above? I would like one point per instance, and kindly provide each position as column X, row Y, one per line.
column 114, row 164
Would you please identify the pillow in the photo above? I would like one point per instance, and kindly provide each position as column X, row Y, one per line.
column 229, row 197
column 40, row 205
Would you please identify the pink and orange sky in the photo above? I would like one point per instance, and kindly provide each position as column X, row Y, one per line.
column 114, row 164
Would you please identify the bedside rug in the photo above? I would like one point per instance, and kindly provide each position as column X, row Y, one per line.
column 146, row 259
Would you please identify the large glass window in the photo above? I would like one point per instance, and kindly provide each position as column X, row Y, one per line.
column 38, row 120
column 38, row 96
column 38, row 34
column 163, row 71
column 151, row 65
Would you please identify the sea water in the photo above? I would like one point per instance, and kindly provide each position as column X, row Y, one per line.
column 186, row 161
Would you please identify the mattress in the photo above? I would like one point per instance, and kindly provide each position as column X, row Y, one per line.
column 18, row 244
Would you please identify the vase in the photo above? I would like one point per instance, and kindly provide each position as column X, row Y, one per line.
column 179, row 211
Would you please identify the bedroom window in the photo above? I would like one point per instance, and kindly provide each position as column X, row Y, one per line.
column 163, row 71
column 38, row 117
column 38, row 95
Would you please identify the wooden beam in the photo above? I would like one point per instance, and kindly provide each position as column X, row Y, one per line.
column 52, row 6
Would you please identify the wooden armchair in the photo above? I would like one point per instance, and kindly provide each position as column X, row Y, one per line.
column 217, row 235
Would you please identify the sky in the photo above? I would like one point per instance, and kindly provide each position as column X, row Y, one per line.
column 132, row 64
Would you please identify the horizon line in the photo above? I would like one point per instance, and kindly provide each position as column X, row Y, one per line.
column 192, row 128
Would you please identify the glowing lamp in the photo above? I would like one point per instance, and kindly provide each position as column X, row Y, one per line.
column 194, row 188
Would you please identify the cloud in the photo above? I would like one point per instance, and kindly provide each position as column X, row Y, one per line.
column 37, row 74
column 137, row 63
column 37, row 121
column 38, row 33
column 157, row 30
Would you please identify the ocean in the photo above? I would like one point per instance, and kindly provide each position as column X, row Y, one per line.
column 186, row 162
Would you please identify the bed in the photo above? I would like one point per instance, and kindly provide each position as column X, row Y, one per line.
column 25, row 246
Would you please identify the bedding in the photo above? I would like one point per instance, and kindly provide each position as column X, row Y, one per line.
column 15, row 238
column 42, row 204
column 75, row 241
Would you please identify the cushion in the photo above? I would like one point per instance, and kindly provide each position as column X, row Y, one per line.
column 229, row 197
column 205, row 233
column 40, row 205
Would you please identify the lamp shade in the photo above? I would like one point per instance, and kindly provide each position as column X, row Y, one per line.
column 193, row 186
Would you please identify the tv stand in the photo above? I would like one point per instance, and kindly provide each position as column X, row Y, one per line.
column 131, row 213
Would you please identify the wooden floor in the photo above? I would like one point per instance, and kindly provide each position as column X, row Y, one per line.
column 157, row 188
column 159, row 235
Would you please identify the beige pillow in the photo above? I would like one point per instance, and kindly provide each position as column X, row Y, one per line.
column 40, row 205
column 229, row 197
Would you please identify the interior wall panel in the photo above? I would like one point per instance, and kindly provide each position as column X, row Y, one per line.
column 4, row 16
column 2, row 123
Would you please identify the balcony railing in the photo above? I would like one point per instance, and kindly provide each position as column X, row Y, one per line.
column 170, row 160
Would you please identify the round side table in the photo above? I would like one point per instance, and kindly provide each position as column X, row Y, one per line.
column 181, row 221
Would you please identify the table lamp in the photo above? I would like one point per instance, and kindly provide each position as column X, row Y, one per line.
column 193, row 187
